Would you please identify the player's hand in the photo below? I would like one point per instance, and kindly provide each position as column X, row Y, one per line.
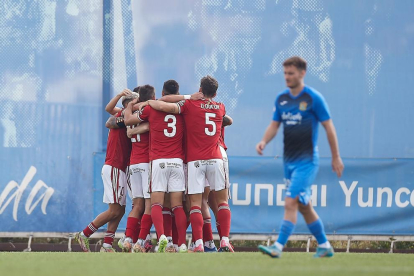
column 337, row 166
column 134, row 101
column 260, row 147
column 125, row 92
column 140, row 106
column 197, row 96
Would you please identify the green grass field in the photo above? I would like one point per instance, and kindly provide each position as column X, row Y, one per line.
column 80, row 264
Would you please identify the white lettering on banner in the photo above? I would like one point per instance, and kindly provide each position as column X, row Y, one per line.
column 380, row 191
column 348, row 192
column 258, row 188
column 398, row 201
column 19, row 189
column 236, row 200
column 370, row 201
column 269, row 188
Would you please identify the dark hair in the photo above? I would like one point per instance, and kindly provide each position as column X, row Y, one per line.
column 136, row 89
column 171, row 87
column 298, row 62
column 209, row 86
column 146, row 92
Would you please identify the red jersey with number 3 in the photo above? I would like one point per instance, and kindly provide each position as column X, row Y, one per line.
column 203, row 121
column 140, row 148
column 166, row 134
column 118, row 149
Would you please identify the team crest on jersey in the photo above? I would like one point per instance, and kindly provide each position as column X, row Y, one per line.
column 162, row 165
column 197, row 164
column 303, row 106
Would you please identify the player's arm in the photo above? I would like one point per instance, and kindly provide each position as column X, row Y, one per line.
column 337, row 165
column 140, row 129
column 269, row 134
column 111, row 106
column 115, row 122
column 161, row 106
column 177, row 98
column 227, row 120
column 130, row 118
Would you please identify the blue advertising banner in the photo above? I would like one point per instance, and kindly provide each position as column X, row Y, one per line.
column 374, row 196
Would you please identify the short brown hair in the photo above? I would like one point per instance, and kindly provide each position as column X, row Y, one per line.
column 146, row 92
column 298, row 62
column 209, row 86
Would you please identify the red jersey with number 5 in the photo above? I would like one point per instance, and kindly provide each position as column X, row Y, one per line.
column 118, row 149
column 140, row 148
column 203, row 121
column 166, row 133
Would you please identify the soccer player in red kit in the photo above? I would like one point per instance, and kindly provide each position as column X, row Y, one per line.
column 114, row 180
column 166, row 164
column 203, row 120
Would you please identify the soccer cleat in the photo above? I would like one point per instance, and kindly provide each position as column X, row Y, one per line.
column 210, row 248
column 137, row 248
column 170, row 248
column 162, row 244
column 121, row 242
column 147, row 246
column 191, row 248
column 127, row 245
column 107, row 249
column 198, row 249
column 324, row 252
column 225, row 246
column 83, row 242
column 272, row 251
column 182, row 249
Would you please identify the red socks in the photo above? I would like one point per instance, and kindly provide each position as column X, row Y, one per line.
column 166, row 214
column 109, row 237
column 181, row 224
column 132, row 228
column 157, row 218
column 218, row 229
column 207, row 231
column 196, row 219
column 146, row 224
column 224, row 218
column 89, row 230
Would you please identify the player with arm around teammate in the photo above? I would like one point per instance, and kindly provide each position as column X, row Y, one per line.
column 300, row 108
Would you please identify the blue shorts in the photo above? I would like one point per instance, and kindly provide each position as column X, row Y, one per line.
column 299, row 179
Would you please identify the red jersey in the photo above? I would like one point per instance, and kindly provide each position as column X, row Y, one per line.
column 203, row 121
column 118, row 149
column 166, row 134
column 221, row 140
column 140, row 148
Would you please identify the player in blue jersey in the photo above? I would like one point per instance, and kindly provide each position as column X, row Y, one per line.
column 300, row 108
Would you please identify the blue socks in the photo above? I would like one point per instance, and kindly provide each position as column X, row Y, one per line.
column 316, row 228
column 286, row 230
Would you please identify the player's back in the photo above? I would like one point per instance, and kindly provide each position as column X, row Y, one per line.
column 166, row 134
column 140, row 148
column 118, row 148
column 203, row 121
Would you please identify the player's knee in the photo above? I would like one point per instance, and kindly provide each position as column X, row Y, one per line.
column 304, row 209
column 291, row 204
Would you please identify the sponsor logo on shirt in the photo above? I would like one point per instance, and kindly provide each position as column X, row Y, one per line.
column 283, row 103
column 292, row 119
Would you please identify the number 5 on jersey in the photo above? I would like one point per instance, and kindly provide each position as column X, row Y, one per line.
column 212, row 123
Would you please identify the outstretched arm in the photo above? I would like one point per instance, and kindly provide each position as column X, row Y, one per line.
column 160, row 106
column 177, row 98
column 111, row 106
column 269, row 134
column 337, row 165
column 140, row 129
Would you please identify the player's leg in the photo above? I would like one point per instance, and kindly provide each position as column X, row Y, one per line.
column 180, row 219
column 112, row 227
column 196, row 183
column 110, row 179
column 167, row 217
column 133, row 224
column 212, row 203
column 144, row 243
column 219, row 183
column 208, row 239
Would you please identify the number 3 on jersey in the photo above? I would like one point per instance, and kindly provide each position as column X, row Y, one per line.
column 172, row 121
column 212, row 123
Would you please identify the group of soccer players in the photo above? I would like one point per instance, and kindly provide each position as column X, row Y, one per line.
column 178, row 157
column 169, row 155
